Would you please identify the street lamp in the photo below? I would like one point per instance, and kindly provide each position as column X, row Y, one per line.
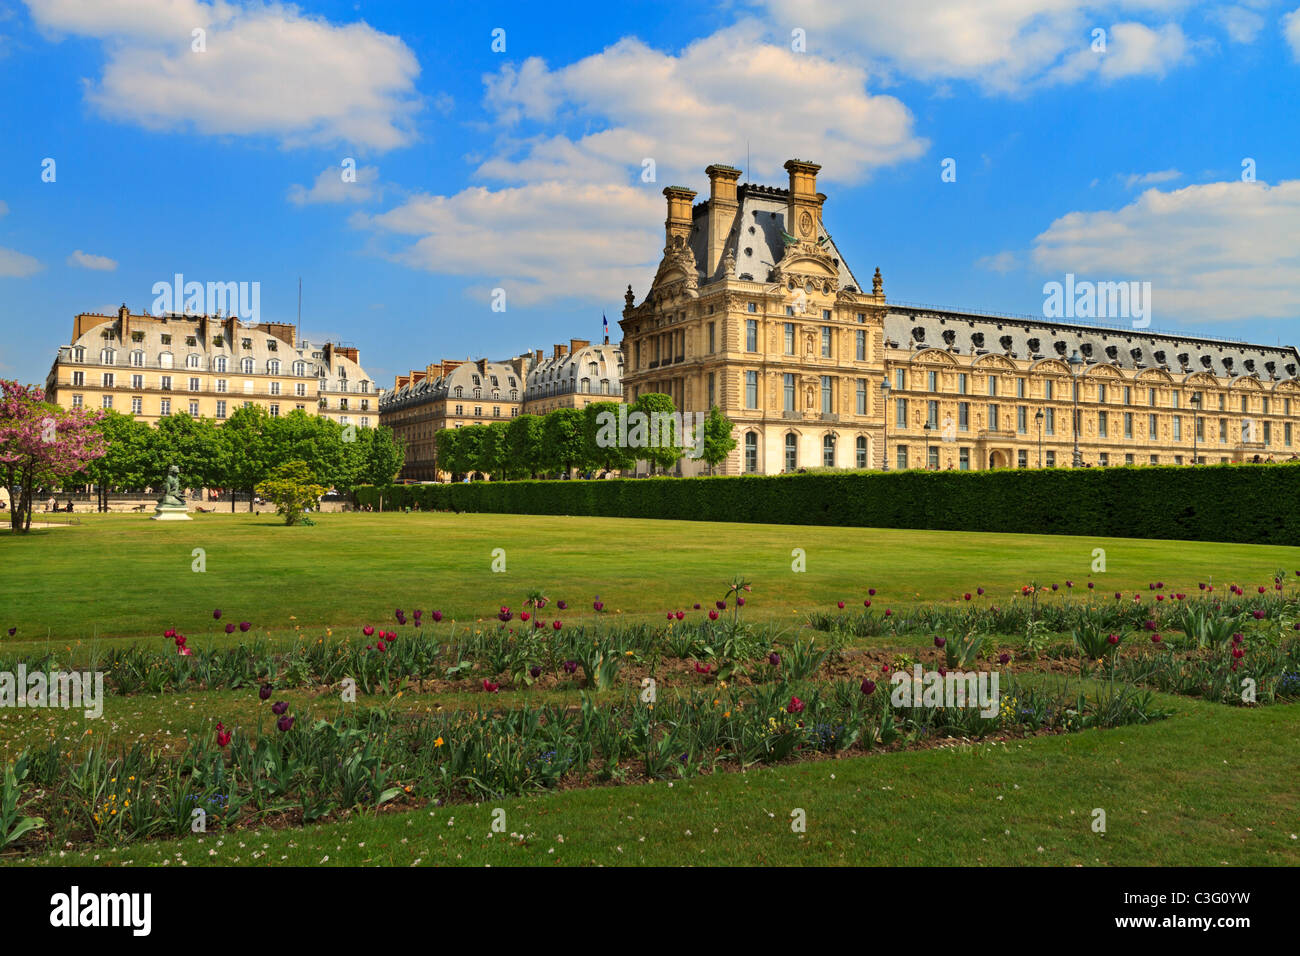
column 1196, row 422
column 927, row 428
column 884, row 405
column 1075, row 362
column 1038, row 417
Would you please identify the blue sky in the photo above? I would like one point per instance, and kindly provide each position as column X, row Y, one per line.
column 522, row 169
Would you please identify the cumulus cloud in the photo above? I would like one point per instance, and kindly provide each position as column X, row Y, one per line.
column 331, row 187
column 264, row 70
column 569, row 213
column 1133, row 180
column 1240, row 23
column 1218, row 251
column 1132, row 49
column 1000, row 45
column 1291, row 29
column 17, row 265
column 85, row 260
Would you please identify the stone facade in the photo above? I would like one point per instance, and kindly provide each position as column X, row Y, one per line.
column 754, row 309
column 207, row 366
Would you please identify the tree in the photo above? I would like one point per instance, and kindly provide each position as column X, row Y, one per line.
column 194, row 445
column 447, row 448
column 663, row 440
column 719, row 442
column 128, row 458
column 249, row 450
column 470, row 447
column 292, row 489
column 524, row 442
column 494, row 451
column 41, row 443
column 563, row 440
column 604, row 447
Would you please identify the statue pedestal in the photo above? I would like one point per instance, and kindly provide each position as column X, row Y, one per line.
column 162, row 512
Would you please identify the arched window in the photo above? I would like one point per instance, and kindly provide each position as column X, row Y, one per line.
column 165, row 360
column 79, row 354
column 246, row 366
column 273, row 367
column 478, row 393
column 219, row 363
column 107, row 356
column 192, row 360
column 137, row 358
column 791, row 452
column 828, row 451
column 862, row 451
column 751, row 452
column 459, row 390
column 300, row 368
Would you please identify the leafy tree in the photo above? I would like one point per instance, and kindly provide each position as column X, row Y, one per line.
column 40, row 444
column 470, row 447
column 250, row 450
column 314, row 439
column 719, row 442
column 563, row 440
column 448, row 450
column 292, row 489
column 128, row 458
column 494, row 451
column 524, row 443
column 194, row 445
column 664, row 440
column 603, row 447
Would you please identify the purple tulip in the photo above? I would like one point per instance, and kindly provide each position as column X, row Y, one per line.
column 940, row 641
column 562, row 605
column 536, row 671
column 720, row 605
column 868, row 686
column 264, row 692
column 437, row 616
column 14, row 630
column 598, row 605
column 284, row 723
column 570, row 667
column 279, row 707
column 230, row 629
column 244, row 625
column 740, row 601
column 774, row 659
column 1004, row 658
column 216, row 615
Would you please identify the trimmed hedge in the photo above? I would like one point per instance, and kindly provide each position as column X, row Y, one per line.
column 1240, row 503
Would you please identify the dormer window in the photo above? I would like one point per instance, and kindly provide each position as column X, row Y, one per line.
column 246, row 343
column 191, row 341
column 137, row 336
column 271, row 345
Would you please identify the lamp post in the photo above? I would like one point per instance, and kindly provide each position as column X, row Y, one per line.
column 1075, row 362
column 927, row 429
column 1196, row 422
column 884, row 406
column 1038, row 417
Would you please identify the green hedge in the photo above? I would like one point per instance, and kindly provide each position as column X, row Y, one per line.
column 1241, row 503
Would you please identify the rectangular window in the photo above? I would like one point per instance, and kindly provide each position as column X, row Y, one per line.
column 1050, row 460
column 1286, row 434
column 78, row 379
column 963, row 459
column 900, row 458
column 108, row 379
column 137, row 381
column 1102, row 425
column 1128, row 459
column 275, row 388
column 300, row 388
column 862, row 396
column 1174, row 398
column 826, row 341
column 993, row 385
column 165, row 407
column 860, row 344
column 166, row 382
column 194, row 385
column 961, row 383
column 76, row 401
column 789, row 338
column 900, row 412
column 1022, row 458
column 1020, row 388
column 751, row 335
column 1155, row 459
column 932, row 458
column 900, row 378
column 221, row 409
column 713, row 337
column 1268, row 433
column 1128, row 395
column 1104, row 459
column 1223, row 430
column 194, row 409
column 108, row 401
column 1152, row 431
column 751, row 390
column 932, row 413
column 221, row 386
column 932, row 381
column 275, row 410
column 712, row 380
column 1022, row 419
column 789, row 392
column 993, row 418
column 1178, row 428
column 828, row 400
column 752, row 307
column 1047, row 389
column 1101, row 392
column 963, row 416
column 1128, row 424
column 1049, row 421
column 1151, row 397
column 137, row 405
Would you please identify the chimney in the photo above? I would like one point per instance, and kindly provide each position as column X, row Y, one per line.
column 678, row 222
column 537, row 357
column 575, row 344
column 804, row 211
column 723, row 207
column 347, row 351
column 560, row 351
column 124, row 323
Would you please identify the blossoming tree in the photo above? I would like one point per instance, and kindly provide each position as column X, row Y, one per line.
column 40, row 444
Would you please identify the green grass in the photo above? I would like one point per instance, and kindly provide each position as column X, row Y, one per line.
column 125, row 576
column 1210, row 786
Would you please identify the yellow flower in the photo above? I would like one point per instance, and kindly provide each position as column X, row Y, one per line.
column 438, row 742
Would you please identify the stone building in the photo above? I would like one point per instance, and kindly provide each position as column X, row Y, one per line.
column 207, row 366
column 754, row 309
column 573, row 377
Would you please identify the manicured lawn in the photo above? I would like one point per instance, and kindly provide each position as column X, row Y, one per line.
column 1211, row 785
column 126, row 576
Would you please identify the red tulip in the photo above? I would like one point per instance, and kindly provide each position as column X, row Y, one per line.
column 490, row 687
column 368, row 631
column 795, row 706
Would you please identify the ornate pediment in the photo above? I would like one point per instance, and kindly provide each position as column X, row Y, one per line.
column 806, row 266
column 677, row 275
column 995, row 361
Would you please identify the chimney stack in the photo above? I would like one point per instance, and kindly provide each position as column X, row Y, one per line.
column 678, row 222
column 723, row 207
column 804, row 211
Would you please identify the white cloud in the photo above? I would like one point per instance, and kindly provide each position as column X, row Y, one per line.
column 1240, row 23
column 1219, row 251
column 1133, row 180
column 1133, row 49
column 17, row 265
column 330, row 187
column 1002, row 262
column 266, row 70
column 1291, row 28
column 571, row 216
column 85, row 260
column 1000, row 45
